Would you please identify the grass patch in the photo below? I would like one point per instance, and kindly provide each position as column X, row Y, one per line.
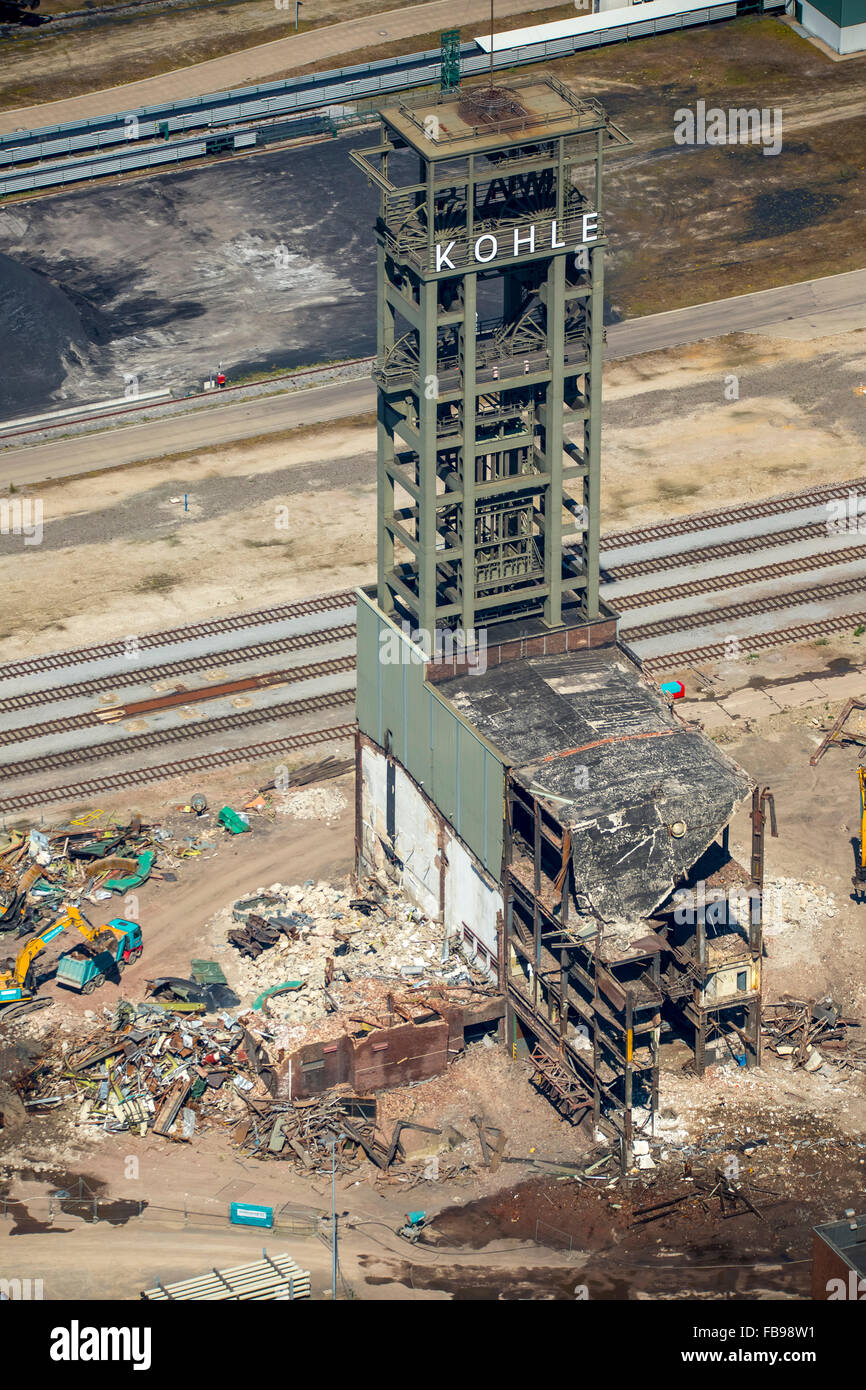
column 156, row 584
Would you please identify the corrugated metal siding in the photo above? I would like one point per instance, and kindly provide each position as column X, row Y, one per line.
column 458, row 770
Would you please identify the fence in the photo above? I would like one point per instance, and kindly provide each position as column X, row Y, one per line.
column 250, row 110
column 83, row 1204
column 553, row 1237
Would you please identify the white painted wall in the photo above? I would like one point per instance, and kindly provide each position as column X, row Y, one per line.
column 850, row 39
column 472, row 899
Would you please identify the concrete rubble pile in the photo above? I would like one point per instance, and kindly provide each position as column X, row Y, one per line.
column 322, row 938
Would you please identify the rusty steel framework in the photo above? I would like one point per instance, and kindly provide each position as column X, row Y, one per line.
column 489, row 195
column 592, row 1017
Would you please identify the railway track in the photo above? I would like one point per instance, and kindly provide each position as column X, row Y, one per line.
column 761, row 641
column 91, row 719
column 210, row 728
column 99, row 685
column 214, row 627
column 137, row 743
column 748, row 511
column 184, row 767
column 725, row 550
column 771, row 603
column 715, row 583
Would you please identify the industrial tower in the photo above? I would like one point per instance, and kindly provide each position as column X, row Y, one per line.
column 490, row 240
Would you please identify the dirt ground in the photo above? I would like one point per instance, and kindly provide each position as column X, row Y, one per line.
column 694, row 223
column 65, row 60
column 121, row 554
column 800, row 1139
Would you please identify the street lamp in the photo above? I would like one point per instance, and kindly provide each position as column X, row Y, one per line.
column 298, row 4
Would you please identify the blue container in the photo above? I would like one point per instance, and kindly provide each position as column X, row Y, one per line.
column 242, row 1214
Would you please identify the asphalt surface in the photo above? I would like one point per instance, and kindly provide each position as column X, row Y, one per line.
column 826, row 304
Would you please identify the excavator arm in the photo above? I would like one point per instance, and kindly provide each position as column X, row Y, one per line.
column 96, row 936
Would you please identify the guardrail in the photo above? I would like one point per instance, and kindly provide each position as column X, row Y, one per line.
column 250, row 111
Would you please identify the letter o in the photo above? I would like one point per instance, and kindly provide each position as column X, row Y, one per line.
column 494, row 245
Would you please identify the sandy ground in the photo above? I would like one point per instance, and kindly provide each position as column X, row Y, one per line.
column 119, row 555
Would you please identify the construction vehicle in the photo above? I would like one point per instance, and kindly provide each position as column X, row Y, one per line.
column 85, row 968
column 859, row 879
column 415, row 1223
column 103, row 946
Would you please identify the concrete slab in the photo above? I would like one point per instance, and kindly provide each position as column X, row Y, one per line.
column 749, row 704
column 797, row 694
column 845, row 687
column 708, row 713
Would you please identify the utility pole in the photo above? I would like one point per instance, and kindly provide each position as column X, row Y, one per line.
column 491, row 45
column 334, row 1218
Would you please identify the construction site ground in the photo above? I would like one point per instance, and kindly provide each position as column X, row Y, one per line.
column 527, row 1230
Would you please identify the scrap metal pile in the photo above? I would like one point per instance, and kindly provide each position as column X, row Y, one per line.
column 811, row 1034
column 145, row 1070
column 307, row 1131
column 40, row 871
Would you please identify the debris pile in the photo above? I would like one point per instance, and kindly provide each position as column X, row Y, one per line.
column 811, row 1034
column 41, row 871
column 143, row 1071
column 324, row 937
column 336, row 1129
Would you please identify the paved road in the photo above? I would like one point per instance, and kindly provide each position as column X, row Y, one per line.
column 268, row 61
column 835, row 299
column 831, row 303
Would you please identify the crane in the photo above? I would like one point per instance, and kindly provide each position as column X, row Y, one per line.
column 17, row 982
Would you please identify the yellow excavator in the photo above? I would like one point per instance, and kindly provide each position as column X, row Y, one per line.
column 859, row 879
column 17, row 976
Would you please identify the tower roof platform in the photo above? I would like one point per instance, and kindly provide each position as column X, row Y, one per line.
column 477, row 118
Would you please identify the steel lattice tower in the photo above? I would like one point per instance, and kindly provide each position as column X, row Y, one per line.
column 480, row 186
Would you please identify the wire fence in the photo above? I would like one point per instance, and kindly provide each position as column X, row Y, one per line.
column 553, row 1237
column 81, row 1204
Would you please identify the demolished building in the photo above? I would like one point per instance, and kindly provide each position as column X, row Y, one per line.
column 525, row 782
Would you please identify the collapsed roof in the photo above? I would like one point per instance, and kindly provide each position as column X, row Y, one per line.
column 641, row 792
